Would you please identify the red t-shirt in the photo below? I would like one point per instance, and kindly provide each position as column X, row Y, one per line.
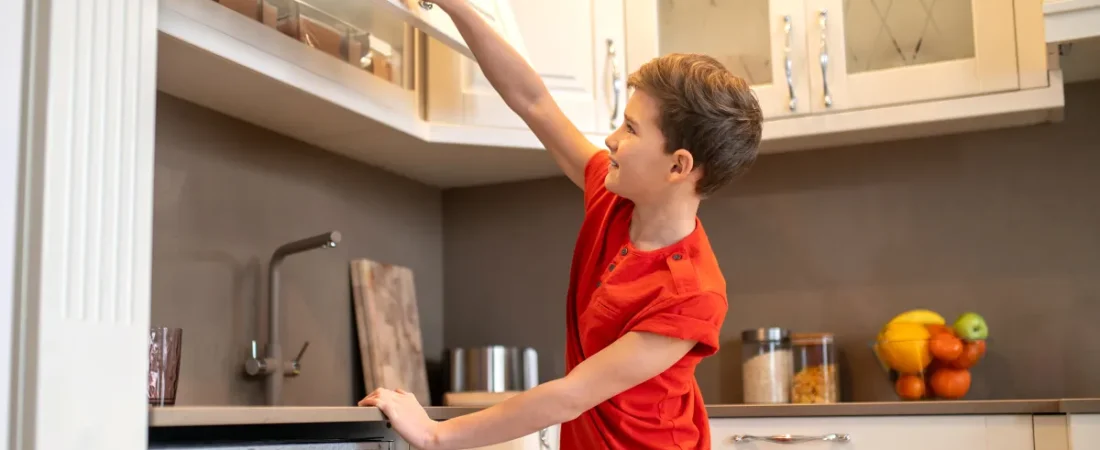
column 614, row 288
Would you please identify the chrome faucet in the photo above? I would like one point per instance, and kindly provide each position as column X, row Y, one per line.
column 271, row 366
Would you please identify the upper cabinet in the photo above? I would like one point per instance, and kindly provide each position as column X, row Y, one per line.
column 342, row 75
column 835, row 72
column 1071, row 20
column 761, row 41
column 818, row 56
column 574, row 45
column 392, row 82
column 861, row 51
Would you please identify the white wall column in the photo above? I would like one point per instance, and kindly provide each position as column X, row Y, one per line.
column 82, row 294
column 11, row 107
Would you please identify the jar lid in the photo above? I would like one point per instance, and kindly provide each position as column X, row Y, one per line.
column 811, row 338
column 765, row 334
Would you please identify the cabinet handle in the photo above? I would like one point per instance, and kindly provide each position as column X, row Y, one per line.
column 823, row 19
column 792, row 438
column 616, row 82
column 792, row 102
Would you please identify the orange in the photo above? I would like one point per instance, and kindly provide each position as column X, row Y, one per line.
column 909, row 387
column 945, row 347
column 972, row 352
column 935, row 328
column 949, row 383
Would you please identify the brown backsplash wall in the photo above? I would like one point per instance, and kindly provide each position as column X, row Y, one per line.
column 227, row 194
column 1005, row 223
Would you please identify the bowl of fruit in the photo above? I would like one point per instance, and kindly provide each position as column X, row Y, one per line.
column 929, row 359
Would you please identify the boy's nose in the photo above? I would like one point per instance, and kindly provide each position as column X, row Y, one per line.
column 611, row 144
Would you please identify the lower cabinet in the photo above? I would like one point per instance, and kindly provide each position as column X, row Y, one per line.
column 1084, row 431
column 956, row 432
column 545, row 440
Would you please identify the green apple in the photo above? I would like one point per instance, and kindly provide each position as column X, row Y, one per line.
column 971, row 327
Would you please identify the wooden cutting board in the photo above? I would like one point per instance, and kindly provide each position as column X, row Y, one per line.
column 388, row 326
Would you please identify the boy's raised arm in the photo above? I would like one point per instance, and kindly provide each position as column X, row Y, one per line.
column 522, row 90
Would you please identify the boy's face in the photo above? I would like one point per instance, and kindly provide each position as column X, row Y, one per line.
column 641, row 170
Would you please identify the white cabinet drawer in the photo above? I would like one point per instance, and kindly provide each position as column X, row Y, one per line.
column 959, row 432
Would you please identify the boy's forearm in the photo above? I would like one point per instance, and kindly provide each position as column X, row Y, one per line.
column 518, row 84
column 528, row 412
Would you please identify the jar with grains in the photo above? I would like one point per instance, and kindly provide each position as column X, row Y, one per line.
column 767, row 365
column 815, row 369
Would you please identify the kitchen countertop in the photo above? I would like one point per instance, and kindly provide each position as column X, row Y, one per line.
column 178, row 416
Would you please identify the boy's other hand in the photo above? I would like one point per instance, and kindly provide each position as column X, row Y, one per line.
column 407, row 416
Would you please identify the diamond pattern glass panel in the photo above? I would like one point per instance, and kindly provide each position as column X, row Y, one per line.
column 883, row 34
column 736, row 32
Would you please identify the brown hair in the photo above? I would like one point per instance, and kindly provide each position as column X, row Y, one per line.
column 706, row 110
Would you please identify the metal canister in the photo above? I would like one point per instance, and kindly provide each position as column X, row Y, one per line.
column 493, row 368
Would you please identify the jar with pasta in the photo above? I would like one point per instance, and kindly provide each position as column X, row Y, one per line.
column 815, row 370
column 766, row 366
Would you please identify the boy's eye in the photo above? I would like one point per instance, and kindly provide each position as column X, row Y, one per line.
column 629, row 129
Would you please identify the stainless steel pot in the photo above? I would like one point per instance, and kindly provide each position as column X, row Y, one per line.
column 493, row 368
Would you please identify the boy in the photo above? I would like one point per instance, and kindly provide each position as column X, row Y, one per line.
column 646, row 297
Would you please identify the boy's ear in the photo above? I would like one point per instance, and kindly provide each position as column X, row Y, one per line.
column 682, row 163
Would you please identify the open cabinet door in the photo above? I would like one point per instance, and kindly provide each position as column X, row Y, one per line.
column 426, row 17
column 498, row 13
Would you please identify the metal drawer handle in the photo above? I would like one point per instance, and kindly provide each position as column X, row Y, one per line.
column 616, row 82
column 792, row 438
column 824, row 58
column 791, row 102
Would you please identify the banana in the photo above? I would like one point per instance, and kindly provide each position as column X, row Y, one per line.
column 921, row 316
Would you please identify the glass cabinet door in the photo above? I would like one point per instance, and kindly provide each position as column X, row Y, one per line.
column 762, row 41
column 869, row 53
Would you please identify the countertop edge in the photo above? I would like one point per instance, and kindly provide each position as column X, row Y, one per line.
column 1080, row 406
column 921, row 408
column 184, row 416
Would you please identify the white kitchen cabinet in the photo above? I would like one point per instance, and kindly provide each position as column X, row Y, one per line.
column 891, row 69
column 548, row 440
column 416, row 104
column 1084, row 431
column 817, row 56
column 762, row 41
column 949, row 432
column 868, row 54
column 302, row 78
column 1071, row 20
column 574, row 45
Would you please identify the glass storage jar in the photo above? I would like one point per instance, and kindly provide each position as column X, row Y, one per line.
column 766, row 365
column 815, row 369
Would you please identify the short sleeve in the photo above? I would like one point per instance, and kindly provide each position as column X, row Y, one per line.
column 595, row 171
column 695, row 317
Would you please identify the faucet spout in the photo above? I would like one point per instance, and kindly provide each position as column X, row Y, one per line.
column 274, row 351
